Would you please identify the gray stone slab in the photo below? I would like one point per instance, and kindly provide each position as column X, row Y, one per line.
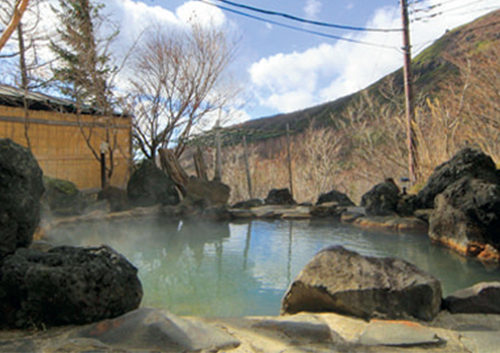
column 398, row 333
column 151, row 329
column 481, row 341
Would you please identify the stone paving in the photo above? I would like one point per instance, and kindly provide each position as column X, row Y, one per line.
column 156, row 330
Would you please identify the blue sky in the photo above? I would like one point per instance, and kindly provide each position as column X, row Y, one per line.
column 285, row 70
column 288, row 70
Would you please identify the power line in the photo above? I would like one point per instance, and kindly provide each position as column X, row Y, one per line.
column 426, row 9
column 464, row 6
column 303, row 20
column 377, row 60
column 446, row 2
column 444, row 10
column 479, row 10
column 428, row 17
column 321, row 34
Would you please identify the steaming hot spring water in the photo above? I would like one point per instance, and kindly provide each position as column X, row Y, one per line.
column 244, row 269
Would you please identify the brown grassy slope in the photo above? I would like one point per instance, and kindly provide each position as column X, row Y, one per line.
column 430, row 69
column 359, row 140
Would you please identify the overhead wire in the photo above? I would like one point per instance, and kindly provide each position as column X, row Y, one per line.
column 303, row 20
column 443, row 10
column 279, row 24
column 377, row 60
column 464, row 6
column 490, row 8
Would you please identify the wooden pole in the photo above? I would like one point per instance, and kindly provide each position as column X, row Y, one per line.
column 410, row 109
column 199, row 164
column 103, row 170
column 247, row 167
column 289, row 159
column 218, row 158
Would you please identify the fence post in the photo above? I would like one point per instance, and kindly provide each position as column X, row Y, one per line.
column 103, row 149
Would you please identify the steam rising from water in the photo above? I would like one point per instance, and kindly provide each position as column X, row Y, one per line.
column 236, row 269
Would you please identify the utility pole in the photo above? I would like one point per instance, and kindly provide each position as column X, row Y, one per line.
column 410, row 107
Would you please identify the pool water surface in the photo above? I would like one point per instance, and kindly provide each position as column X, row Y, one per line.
column 243, row 269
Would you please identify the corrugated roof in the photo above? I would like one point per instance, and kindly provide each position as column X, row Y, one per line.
column 13, row 96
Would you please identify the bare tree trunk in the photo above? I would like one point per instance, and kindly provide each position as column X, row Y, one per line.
column 24, row 83
column 170, row 165
column 21, row 7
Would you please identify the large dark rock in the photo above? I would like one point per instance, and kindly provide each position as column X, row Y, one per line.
column 206, row 193
column 406, row 206
column 66, row 285
column 342, row 281
column 382, row 199
column 149, row 186
column 280, row 197
column 481, row 298
column 327, row 210
column 468, row 162
column 335, row 196
column 249, row 203
column 216, row 213
column 21, row 187
column 63, row 197
column 117, row 198
column 466, row 218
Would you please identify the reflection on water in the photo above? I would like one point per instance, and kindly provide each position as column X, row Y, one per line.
column 236, row 269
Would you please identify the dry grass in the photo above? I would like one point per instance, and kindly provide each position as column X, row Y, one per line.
column 371, row 145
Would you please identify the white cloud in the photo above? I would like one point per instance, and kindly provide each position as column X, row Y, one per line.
column 203, row 13
column 288, row 82
column 312, row 8
column 135, row 17
column 292, row 100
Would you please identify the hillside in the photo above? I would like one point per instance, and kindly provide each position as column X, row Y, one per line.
column 430, row 69
column 456, row 86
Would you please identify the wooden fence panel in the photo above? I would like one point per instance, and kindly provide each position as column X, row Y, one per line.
column 58, row 145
